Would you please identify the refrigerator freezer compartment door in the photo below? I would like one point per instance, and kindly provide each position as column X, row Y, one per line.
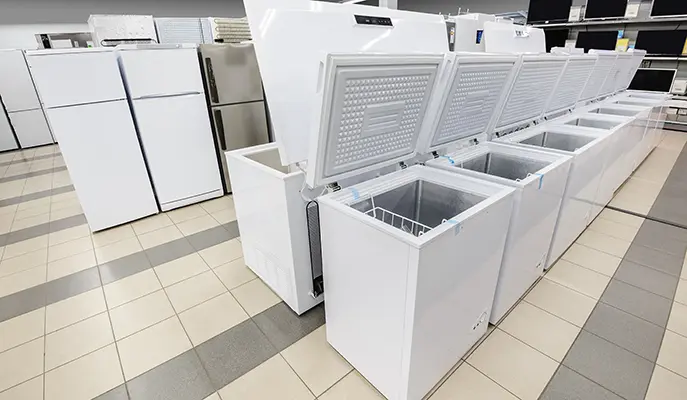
column 160, row 72
column 65, row 79
column 231, row 73
column 31, row 128
column 105, row 162
column 16, row 85
column 7, row 141
column 177, row 141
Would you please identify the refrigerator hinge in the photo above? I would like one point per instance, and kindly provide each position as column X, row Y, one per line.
column 403, row 165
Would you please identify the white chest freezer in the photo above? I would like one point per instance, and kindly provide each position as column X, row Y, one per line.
column 270, row 209
column 657, row 118
column 410, row 258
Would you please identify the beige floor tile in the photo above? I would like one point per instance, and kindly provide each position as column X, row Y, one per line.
column 180, row 269
column 11, row 210
column 30, row 221
column 468, row 383
column 255, row 297
column 22, row 280
column 352, row 387
column 33, row 204
column 32, row 212
column 86, row 377
column 214, row 396
column 117, row 250
column 70, row 265
column 29, row 390
column 222, row 253
column 140, row 314
column 22, row 329
column 666, row 385
column 579, row 278
column 65, row 212
column 67, row 235
column 77, row 340
column 316, row 362
column 74, row 309
column 186, row 213
column 151, row 223
column 219, row 204
column 541, row 330
column 512, row 364
column 565, row 303
column 234, row 273
column 283, row 383
column 194, row 291
column 607, row 244
column 21, row 363
column 678, row 319
column 152, row 346
column 614, row 229
column 131, row 288
column 23, row 262
column 673, row 354
column 225, row 216
column 25, row 246
column 70, row 248
column 191, row 226
column 211, row 318
column 113, row 235
column 593, row 259
column 59, row 205
column 681, row 293
column 63, row 197
column 160, row 236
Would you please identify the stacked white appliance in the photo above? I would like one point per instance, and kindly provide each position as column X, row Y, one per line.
column 85, row 102
column 21, row 102
column 7, row 139
column 165, row 89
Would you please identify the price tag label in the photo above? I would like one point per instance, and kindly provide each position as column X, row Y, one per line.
column 575, row 14
column 632, row 10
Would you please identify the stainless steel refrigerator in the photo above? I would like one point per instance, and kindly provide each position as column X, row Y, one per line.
column 234, row 90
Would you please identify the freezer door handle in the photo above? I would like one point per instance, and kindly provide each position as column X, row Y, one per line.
column 211, row 80
column 219, row 122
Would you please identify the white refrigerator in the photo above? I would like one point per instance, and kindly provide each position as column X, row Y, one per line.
column 7, row 140
column 21, row 100
column 84, row 99
column 166, row 93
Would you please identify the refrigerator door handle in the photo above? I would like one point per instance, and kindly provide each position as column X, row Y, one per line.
column 219, row 122
column 211, row 78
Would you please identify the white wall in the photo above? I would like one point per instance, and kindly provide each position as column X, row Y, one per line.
column 22, row 36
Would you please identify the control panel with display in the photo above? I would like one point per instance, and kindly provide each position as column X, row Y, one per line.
column 369, row 20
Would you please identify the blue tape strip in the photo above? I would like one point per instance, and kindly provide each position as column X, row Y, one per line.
column 541, row 180
column 356, row 195
column 457, row 228
column 449, row 160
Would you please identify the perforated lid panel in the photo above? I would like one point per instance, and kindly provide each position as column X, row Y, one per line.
column 470, row 94
column 371, row 114
column 535, row 81
column 572, row 82
column 632, row 66
column 603, row 66
column 616, row 74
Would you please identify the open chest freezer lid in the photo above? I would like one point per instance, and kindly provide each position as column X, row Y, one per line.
column 371, row 114
column 571, row 83
column 631, row 68
column 604, row 64
column 616, row 74
column 536, row 79
column 469, row 94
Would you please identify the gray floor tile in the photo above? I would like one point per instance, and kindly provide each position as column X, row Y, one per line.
column 232, row 227
column 610, row 366
column 28, row 233
column 169, row 251
column 43, row 157
column 123, row 267
column 655, row 259
column 627, row 331
column 118, row 393
column 181, row 378
column 66, row 223
column 31, row 174
column 567, row 384
column 661, row 239
column 71, row 285
column 27, row 197
column 283, row 327
column 670, row 209
column 231, row 354
column 22, row 302
column 638, row 302
column 647, row 278
column 63, row 189
column 210, row 237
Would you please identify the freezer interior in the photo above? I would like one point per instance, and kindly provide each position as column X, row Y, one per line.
column 636, row 102
column 558, row 141
column 503, row 165
column 269, row 158
column 593, row 123
column 614, row 111
column 418, row 207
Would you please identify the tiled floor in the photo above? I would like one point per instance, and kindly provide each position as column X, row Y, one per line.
column 164, row 308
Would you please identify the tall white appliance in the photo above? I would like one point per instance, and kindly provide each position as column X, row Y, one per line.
column 7, row 139
column 84, row 99
column 21, row 100
column 165, row 88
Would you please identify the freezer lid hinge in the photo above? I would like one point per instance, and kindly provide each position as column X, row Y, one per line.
column 403, row 165
column 435, row 154
column 474, row 141
column 333, row 187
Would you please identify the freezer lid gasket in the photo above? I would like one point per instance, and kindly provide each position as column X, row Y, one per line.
column 373, row 110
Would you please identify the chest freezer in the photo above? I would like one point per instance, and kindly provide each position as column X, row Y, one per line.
column 588, row 149
column 411, row 258
column 658, row 114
